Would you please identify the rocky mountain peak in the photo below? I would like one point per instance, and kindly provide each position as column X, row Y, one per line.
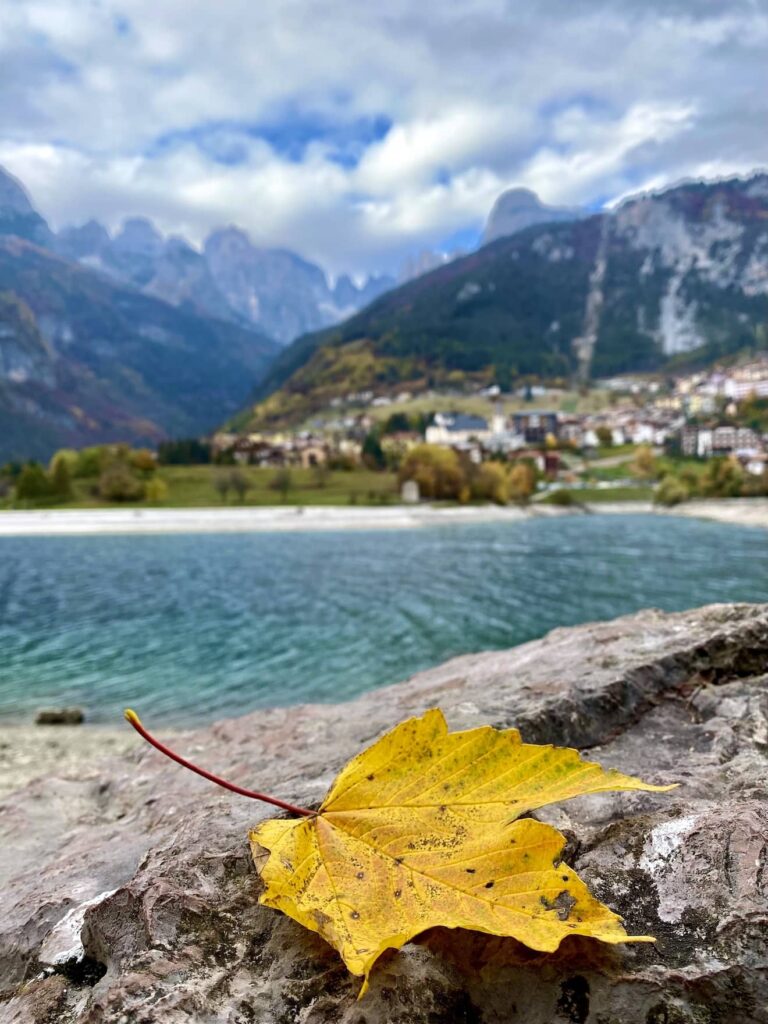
column 230, row 240
column 13, row 195
column 139, row 237
column 520, row 208
column 83, row 241
column 17, row 214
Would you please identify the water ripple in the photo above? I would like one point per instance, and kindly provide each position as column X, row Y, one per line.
column 189, row 628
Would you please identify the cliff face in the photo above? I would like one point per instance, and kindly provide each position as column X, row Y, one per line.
column 129, row 894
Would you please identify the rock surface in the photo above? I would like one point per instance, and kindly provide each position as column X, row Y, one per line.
column 519, row 208
column 129, row 893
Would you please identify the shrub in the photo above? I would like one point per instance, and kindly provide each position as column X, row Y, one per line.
column 156, row 491
column 722, row 478
column 563, row 497
column 644, row 464
column 671, row 491
column 143, row 460
column 118, row 482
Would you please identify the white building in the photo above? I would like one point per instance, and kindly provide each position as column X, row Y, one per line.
column 457, row 429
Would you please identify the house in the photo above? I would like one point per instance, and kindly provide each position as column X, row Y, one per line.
column 705, row 442
column 457, row 428
column 303, row 450
column 535, row 425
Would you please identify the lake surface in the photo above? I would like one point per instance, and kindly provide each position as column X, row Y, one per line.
column 188, row 628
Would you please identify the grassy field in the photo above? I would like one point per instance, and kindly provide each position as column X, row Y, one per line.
column 193, row 487
column 476, row 405
column 595, row 495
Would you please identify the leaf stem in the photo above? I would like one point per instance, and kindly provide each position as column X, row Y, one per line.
column 135, row 721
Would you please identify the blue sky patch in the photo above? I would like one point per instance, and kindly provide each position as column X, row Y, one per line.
column 227, row 142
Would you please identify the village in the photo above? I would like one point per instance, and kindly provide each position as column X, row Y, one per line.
column 716, row 413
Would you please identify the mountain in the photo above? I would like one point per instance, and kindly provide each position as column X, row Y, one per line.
column 679, row 276
column 85, row 360
column 519, row 208
column 275, row 290
column 17, row 215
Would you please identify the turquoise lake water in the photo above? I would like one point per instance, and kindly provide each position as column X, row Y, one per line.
column 189, row 628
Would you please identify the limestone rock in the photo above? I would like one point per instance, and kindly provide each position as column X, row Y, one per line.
column 131, row 895
column 519, row 208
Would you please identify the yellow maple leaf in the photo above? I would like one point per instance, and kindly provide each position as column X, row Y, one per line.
column 424, row 829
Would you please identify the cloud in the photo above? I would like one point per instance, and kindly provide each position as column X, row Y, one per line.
column 358, row 134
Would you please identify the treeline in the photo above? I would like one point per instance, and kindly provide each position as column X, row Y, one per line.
column 721, row 477
column 113, row 472
column 444, row 474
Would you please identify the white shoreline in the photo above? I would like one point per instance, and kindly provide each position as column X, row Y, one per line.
column 259, row 519
column 282, row 519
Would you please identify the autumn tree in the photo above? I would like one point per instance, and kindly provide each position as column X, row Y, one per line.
column 604, row 436
column 143, row 460
column 522, row 482
column 722, row 478
column 437, row 471
column 644, row 463
column 156, row 491
column 60, row 477
column 118, row 482
column 490, row 482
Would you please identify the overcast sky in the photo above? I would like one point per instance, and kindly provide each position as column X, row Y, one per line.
column 358, row 133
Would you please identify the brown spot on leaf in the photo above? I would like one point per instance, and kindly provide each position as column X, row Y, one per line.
column 489, row 885
column 563, row 903
column 361, row 874
column 354, row 915
column 370, row 777
column 398, row 893
column 470, row 871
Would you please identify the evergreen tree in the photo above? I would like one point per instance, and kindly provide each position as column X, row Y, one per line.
column 32, row 483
